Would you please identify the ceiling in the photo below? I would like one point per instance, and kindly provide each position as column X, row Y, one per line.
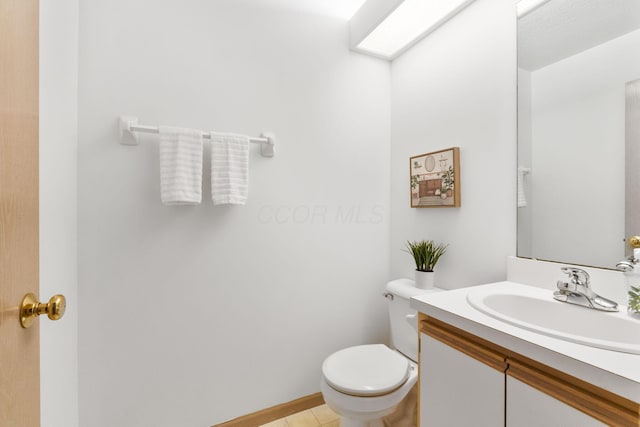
column 562, row 28
column 337, row 8
column 556, row 30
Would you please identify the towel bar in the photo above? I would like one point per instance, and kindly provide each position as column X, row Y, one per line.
column 129, row 128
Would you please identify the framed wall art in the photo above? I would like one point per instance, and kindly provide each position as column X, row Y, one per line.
column 435, row 179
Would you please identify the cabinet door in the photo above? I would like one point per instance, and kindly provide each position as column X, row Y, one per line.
column 457, row 390
column 528, row 407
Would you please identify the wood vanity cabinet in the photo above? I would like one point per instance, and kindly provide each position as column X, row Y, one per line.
column 529, row 407
column 468, row 381
column 458, row 390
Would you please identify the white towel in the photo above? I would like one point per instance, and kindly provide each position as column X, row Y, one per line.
column 180, row 166
column 522, row 198
column 229, row 168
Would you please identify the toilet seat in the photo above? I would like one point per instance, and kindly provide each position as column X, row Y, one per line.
column 366, row 370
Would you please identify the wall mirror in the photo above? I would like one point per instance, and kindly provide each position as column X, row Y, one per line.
column 578, row 130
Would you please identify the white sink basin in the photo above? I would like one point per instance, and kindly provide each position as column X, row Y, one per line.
column 536, row 310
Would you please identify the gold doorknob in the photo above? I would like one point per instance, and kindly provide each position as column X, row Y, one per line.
column 634, row 241
column 31, row 309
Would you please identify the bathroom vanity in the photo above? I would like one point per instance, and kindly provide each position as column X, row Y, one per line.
column 510, row 375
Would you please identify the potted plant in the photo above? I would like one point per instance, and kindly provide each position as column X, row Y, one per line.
column 414, row 186
column 426, row 254
column 444, row 191
column 448, row 181
column 633, row 307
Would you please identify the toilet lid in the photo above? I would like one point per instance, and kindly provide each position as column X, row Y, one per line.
column 366, row 370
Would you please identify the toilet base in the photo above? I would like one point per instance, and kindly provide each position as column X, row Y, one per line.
column 350, row 422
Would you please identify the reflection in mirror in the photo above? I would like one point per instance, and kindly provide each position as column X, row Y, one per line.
column 632, row 159
column 577, row 105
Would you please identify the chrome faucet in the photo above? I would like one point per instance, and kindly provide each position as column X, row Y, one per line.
column 578, row 291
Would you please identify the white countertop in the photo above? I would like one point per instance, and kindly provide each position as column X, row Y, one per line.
column 614, row 371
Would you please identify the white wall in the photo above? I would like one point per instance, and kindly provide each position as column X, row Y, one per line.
column 578, row 153
column 58, row 88
column 457, row 87
column 195, row 315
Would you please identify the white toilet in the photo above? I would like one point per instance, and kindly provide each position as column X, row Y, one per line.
column 366, row 382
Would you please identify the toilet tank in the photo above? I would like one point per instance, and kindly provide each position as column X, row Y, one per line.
column 404, row 336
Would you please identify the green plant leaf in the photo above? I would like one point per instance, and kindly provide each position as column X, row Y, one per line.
column 426, row 253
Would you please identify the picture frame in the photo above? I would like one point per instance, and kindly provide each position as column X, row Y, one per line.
column 434, row 179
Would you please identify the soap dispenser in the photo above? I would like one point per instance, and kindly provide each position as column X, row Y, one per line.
column 631, row 271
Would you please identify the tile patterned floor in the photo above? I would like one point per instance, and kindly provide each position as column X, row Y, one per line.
column 405, row 415
column 320, row 416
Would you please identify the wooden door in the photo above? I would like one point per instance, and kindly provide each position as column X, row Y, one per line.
column 19, row 265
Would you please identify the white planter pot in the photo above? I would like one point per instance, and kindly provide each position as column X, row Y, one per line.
column 425, row 279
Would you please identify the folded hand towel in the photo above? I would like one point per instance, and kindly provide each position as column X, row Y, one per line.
column 229, row 168
column 522, row 198
column 180, row 166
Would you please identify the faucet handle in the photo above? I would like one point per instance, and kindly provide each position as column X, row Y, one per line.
column 578, row 276
column 565, row 288
column 626, row 265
